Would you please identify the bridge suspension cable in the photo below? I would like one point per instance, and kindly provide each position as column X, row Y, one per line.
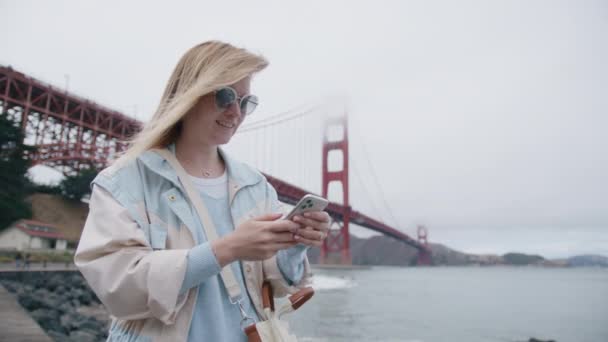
column 285, row 145
column 279, row 119
column 374, row 177
column 367, row 193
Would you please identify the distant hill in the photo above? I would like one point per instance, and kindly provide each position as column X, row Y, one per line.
column 383, row 250
column 443, row 255
column 588, row 260
column 520, row 259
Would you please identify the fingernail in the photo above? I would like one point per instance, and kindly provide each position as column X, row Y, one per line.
column 296, row 237
column 307, row 214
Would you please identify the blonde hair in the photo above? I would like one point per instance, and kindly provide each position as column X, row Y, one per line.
column 201, row 70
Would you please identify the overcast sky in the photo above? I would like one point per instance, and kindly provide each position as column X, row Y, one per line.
column 484, row 120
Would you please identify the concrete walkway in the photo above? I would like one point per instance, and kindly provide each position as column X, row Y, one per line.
column 15, row 324
column 10, row 267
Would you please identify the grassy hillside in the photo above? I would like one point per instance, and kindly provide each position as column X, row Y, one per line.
column 69, row 216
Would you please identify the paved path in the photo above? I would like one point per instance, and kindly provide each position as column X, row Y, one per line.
column 15, row 324
column 10, row 267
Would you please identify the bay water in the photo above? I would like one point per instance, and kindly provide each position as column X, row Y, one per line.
column 434, row 304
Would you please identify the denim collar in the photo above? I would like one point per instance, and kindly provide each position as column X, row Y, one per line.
column 239, row 174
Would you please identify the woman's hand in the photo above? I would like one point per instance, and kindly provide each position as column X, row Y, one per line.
column 256, row 239
column 314, row 227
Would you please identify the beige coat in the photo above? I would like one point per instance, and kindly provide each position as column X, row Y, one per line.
column 133, row 249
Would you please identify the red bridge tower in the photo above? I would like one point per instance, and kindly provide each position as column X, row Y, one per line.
column 338, row 238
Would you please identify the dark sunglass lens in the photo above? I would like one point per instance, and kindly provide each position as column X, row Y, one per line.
column 225, row 97
column 248, row 104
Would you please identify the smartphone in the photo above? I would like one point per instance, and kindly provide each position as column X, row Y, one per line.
column 305, row 204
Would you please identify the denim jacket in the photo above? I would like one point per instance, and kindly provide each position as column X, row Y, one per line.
column 133, row 249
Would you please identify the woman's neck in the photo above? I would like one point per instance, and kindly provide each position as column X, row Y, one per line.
column 199, row 160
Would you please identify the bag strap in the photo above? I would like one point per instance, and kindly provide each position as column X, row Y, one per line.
column 227, row 275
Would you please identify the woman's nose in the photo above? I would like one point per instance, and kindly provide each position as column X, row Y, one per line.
column 233, row 110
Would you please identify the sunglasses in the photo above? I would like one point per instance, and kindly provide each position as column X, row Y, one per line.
column 227, row 96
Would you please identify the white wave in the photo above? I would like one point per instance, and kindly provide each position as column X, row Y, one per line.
column 321, row 339
column 323, row 282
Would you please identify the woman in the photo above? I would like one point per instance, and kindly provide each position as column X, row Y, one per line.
column 144, row 249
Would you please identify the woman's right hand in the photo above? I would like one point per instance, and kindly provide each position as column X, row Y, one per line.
column 256, row 239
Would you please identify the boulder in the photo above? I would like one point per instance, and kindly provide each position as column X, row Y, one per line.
column 29, row 302
column 48, row 320
column 57, row 336
column 83, row 336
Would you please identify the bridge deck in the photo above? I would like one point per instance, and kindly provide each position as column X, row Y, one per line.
column 15, row 324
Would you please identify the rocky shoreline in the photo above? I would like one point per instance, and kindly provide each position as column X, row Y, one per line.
column 64, row 306
column 61, row 303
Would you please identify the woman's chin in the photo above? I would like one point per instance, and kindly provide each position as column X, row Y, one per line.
column 222, row 140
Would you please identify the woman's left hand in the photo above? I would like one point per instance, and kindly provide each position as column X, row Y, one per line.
column 314, row 227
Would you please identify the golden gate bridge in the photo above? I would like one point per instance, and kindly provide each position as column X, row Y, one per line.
column 71, row 133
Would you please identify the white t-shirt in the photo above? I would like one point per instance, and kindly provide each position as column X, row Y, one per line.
column 213, row 187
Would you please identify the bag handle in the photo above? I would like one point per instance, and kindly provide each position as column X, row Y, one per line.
column 296, row 300
column 267, row 296
column 299, row 298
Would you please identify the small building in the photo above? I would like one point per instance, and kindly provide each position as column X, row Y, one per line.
column 29, row 234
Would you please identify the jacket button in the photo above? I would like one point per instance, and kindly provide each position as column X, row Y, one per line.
column 248, row 268
column 172, row 197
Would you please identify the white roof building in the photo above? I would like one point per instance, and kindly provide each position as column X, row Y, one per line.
column 30, row 234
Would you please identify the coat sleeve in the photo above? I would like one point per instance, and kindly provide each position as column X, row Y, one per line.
column 281, row 285
column 131, row 279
